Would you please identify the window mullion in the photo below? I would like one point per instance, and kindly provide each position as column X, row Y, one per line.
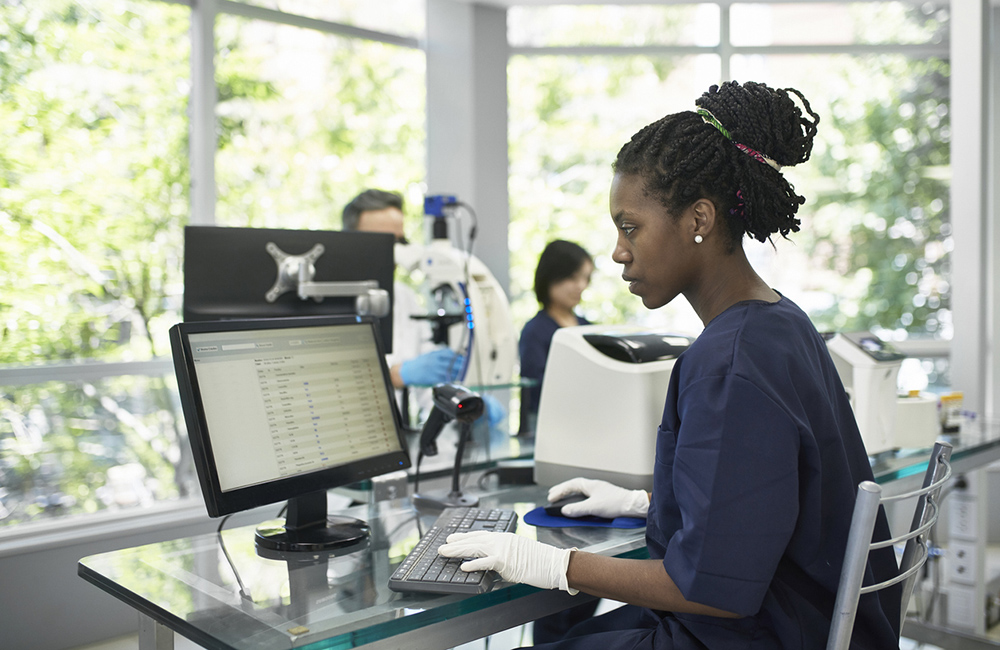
column 203, row 98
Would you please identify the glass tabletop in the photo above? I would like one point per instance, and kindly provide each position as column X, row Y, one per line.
column 974, row 445
column 325, row 601
column 249, row 602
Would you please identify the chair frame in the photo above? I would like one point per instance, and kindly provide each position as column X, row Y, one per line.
column 859, row 544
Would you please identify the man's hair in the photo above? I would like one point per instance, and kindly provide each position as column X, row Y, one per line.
column 721, row 153
column 369, row 200
column 559, row 261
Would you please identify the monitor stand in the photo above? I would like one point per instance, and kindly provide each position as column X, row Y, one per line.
column 308, row 529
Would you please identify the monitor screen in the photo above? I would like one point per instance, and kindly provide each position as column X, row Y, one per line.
column 285, row 409
column 228, row 272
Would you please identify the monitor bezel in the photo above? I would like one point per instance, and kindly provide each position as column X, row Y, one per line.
column 219, row 502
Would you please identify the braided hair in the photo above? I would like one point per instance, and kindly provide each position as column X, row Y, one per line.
column 728, row 152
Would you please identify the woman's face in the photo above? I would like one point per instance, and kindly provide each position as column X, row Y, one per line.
column 567, row 293
column 657, row 259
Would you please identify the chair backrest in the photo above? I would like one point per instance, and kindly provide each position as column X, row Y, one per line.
column 859, row 543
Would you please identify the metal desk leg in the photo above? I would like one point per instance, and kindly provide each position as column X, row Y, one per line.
column 153, row 635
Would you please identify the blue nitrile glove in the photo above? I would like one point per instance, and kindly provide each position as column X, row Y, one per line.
column 495, row 412
column 438, row 367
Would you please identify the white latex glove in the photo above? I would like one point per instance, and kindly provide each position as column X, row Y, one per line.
column 515, row 558
column 605, row 499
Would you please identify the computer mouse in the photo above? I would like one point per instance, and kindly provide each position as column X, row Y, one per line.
column 554, row 509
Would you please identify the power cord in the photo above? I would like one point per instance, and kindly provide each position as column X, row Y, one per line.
column 244, row 594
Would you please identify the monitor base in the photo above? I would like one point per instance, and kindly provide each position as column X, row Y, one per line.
column 336, row 532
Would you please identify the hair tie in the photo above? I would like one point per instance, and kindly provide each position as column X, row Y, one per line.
column 708, row 118
column 756, row 155
column 740, row 209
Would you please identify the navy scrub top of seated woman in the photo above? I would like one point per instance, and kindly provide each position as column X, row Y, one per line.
column 563, row 273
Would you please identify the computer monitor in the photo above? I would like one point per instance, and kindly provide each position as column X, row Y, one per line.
column 283, row 410
column 228, row 272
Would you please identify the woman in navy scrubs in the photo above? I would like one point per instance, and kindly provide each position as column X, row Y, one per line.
column 758, row 455
column 562, row 275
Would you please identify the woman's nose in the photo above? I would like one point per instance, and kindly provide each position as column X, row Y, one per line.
column 619, row 255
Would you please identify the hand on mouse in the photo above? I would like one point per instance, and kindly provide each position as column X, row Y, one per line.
column 604, row 499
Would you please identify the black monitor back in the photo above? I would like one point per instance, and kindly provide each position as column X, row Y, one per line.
column 228, row 272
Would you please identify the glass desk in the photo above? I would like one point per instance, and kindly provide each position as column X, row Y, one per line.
column 977, row 445
column 188, row 586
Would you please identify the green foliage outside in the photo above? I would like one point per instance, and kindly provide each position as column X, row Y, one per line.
column 569, row 116
column 885, row 213
column 873, row 251
column 324, row 118
column 94, row 185
column 95, row 177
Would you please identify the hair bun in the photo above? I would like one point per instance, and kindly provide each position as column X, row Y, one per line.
column 764, row 119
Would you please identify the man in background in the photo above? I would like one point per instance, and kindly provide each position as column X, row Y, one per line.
column 415, row 360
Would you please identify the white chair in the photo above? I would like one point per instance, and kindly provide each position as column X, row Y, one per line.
column 859, row 544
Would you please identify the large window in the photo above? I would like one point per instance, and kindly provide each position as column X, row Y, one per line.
column 570, row 112
column 873, row 253
column 313, row 103
column 94, row 195
column 324, row 117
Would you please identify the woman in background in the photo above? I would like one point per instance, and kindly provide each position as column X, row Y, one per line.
column 562, row 274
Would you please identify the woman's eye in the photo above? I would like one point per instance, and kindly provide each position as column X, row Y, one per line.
column 628, row 230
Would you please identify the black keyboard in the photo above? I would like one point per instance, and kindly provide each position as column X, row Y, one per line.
column 424, row 570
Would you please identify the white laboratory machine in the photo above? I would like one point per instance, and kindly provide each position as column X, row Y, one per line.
column 461, row 285
column 869, row 368
column 467, row 306
column 602, row 402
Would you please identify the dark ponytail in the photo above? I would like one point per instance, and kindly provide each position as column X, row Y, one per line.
column 727, row 153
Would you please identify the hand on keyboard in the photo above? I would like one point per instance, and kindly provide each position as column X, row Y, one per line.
column 605, row 499
column 423, row 570
column 515, row 558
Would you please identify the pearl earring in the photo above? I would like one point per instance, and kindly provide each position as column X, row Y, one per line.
column 698, row 239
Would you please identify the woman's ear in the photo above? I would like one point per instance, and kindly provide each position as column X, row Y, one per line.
column 705, row 216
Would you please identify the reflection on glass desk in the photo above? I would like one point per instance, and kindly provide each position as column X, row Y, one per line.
column 330, row 601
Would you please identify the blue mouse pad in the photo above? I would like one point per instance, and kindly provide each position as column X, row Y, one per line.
column 537, row 517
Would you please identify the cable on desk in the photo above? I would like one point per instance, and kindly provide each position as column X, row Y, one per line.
column 222, row 543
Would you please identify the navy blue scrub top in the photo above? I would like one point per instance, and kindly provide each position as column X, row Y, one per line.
column 757, row 464
column 533, row 348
